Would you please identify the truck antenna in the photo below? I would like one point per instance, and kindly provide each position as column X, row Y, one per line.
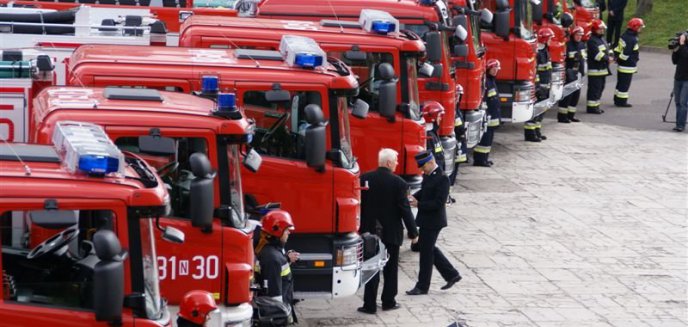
column 27, row 169
column 237, row 47
column 341, row 28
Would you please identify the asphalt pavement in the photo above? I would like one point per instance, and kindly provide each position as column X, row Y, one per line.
column 588, row 228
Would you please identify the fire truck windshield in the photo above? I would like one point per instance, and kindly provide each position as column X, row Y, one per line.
column 345, row 133
column 236, row 194
column 150, row 270
column 475, row 32
column 413, row 96
column 524, row 21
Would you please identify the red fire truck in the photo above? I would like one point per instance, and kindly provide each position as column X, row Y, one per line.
column 322, row 195
column 171, row 12
column 218, row 255
column 364, row 51
column 431, row 20
column 512, row 41
column 76, row 228
column 584, row 11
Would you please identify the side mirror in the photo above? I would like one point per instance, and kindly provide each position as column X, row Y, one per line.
column 501, row 24
column 537, row 11
column 315, row 137
column 461, row 33
column 387, row 104
column 277, row 96
column 433, row 42
column 566, row 20
column 385, row 71
column 108, row 277
column 426, row 70
column 355, row 56
column 157, row 145
column 252, row 160
column 486, row 19
column 54, row 219
column 360, row 109
column 460, row 50
column 201, row 192
column 502, row 5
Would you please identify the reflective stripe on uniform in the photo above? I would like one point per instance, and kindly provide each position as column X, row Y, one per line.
column 636, row 47
column 584, row 53
column 623, row 56
column 563, row 110
column 461, row 158
column 493, row 122
column 627, row 70
column 538, row 125
column 621, row 95
column 438, row 148
column 572, row 54
column 597, row 72
column 491, row 93
column 593, row 103
column 599, row 56
column 286, row 270
column 256, row 267
column 544, row 67
column 572, row 109
column 482, row 149
column 620, row 49
column 458, row 122
column 530, row 126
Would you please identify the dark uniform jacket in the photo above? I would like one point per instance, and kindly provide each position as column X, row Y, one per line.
column 598, row 56
column 386, row 203
column 627, row 54
column 434, row 145
column 492, row 100
column 273, row 271
column 576, row 54
column 544, row 73
column 432, row 200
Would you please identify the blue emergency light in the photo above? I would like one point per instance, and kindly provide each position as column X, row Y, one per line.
column 382, row 27
column 427, row 2
column 226, row 102
column 308, row 60
column 209, row 84
column 86, row 148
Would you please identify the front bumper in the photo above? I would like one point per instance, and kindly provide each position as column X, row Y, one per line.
column 476, row 125
column 522, row 111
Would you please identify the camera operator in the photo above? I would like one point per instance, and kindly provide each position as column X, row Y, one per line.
column 680, row 58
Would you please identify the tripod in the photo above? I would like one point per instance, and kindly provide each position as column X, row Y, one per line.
column 667, row 109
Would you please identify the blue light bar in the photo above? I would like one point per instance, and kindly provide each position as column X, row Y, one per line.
column 98, row 164
column 382, row 27
column 427, row 2
column 209, row 84
column 226, row 102
column 85, row 147
column 308, row 60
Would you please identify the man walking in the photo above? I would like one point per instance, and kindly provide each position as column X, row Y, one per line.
column 627, row 56
column 383, row 208
column 615, row 17
column 598, row 66
column 431, row 218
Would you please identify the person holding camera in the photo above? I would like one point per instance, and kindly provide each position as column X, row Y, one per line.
column 680, row 58
column 627, row 54
column 384, row 206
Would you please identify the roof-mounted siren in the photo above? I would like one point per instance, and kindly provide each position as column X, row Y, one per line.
column 85, row 147
column 378, row 21
column 301, row 51
column 226, row 106
column 427, row 2
column 209, row 85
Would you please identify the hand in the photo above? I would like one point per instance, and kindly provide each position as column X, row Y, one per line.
column 611, row 13
column 414, row 240
column 412, row 201
column 293, row 256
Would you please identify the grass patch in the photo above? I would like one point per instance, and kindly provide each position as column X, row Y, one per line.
column 666, row 18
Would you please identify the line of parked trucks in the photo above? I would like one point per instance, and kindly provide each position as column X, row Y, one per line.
column 289, row 102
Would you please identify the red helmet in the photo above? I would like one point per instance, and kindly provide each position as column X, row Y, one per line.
column 196, row 305
column 544, row 35
column 276, row 222
column 577, row 30
column 635, row 24
column 492, row 63
column 598, row 24
column 432, row 110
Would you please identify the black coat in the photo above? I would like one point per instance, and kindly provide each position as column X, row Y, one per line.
column 385, row 205
column 432, row 201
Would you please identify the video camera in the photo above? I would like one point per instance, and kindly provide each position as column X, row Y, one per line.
column 673, row 42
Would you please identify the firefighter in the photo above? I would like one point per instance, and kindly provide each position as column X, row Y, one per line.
column 543, row 81
column 432, row 113
column 481, row 152
column 195, row 309
column 627, row 57
column 599, row 58
column 273, row 271
column 576, row 54
column 460, row 132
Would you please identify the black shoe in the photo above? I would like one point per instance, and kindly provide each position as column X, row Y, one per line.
column 595, row 111
column 564, row 121
column 393, row 307
column 416, row 291
column 366, row 310
column 542, row 137
column 623, row 105
column 678, row 129
column 451, row 283
column 533, row 140
column 482, row 164
column 574, row 120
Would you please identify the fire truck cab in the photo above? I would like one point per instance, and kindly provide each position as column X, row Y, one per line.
column 77, row 232
column 429, row 19
column 284, row 96
column 364, row 48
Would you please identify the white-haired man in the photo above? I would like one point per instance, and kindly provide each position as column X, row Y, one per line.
column 384, row 205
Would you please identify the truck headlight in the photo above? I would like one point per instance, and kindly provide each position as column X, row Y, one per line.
column 348, row 255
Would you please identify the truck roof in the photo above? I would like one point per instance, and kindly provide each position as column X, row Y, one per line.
column 51, row 103
column 319, row 31
column 47, row 177
column 209, row 61
column 400, row 9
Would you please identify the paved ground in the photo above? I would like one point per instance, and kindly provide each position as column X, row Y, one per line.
column 588, row 228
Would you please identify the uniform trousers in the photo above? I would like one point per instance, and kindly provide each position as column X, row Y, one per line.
column 623, row 83
column 430, row 255
column 595, row 89
column 390, row 284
